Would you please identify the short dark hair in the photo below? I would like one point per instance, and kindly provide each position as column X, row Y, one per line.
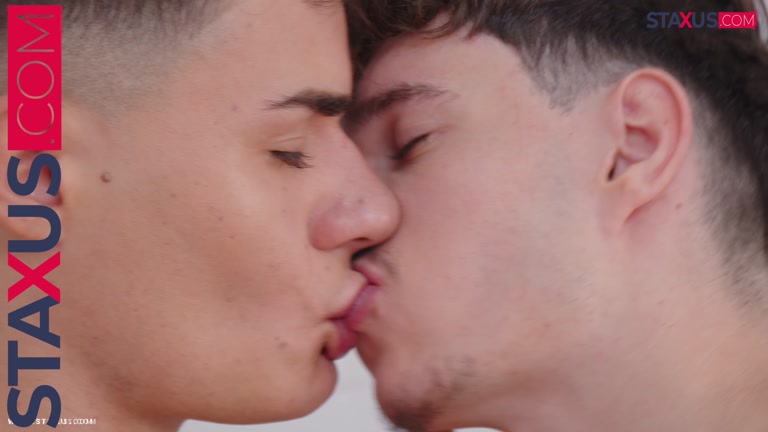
column 112, row 48
column 569, row 46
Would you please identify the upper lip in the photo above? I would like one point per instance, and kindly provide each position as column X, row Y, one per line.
column 367, row 272
column 342, row 312
column 369, row 279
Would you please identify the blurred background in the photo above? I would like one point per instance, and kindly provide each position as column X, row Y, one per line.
column 352, row 408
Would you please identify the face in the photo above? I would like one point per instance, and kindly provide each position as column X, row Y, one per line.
column 218, row 222
column 487, row 289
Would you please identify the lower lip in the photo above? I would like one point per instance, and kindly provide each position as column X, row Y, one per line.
column 360, row 308
column 347, row 340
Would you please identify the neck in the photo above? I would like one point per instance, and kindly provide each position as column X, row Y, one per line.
column 688, row 357
column 692, row 358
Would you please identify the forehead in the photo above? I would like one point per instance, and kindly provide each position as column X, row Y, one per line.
column 276, row 21
column 299, row 41
column 451, row 61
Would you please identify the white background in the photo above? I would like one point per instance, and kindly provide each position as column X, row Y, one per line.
column 352, row 408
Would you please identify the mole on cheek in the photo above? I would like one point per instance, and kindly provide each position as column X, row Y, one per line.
column 106, row 177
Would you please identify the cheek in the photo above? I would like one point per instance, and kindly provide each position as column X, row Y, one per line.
column 476, row 238
column 230, row 253
column 449, row 252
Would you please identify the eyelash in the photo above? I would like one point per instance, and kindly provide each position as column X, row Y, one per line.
column 404, row 151
column 294, row 159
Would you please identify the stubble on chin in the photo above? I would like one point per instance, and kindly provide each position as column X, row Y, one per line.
column 446, row 385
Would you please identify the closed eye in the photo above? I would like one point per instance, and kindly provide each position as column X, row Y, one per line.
column 293, row 159
column 405, row 150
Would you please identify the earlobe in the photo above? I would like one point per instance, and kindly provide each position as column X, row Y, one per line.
column 30, row 196
column 655, row 123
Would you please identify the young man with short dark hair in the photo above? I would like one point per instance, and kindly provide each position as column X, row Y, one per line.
column 210, row 204
column 585, row 200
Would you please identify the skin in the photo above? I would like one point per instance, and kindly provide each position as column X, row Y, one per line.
column 199, row 268
column 556, row 262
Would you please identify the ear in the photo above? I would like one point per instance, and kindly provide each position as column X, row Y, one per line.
column 32, row 181
column 652, row 123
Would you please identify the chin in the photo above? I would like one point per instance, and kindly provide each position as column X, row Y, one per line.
column 369, row 355
column 412, row 395
column 394, row 390
column 299, row 395
column 406, row 410
column 307, row 395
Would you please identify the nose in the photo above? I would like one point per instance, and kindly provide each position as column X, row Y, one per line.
column 361, row 212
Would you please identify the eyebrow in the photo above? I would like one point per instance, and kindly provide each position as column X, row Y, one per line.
column 364, row 110
column 324, row 103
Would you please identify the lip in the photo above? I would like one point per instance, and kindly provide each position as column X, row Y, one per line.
column 348, row 323
column 349, row 319
column 344, row 338
column 361, row 306
column 345, row 341
column 367, row 272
